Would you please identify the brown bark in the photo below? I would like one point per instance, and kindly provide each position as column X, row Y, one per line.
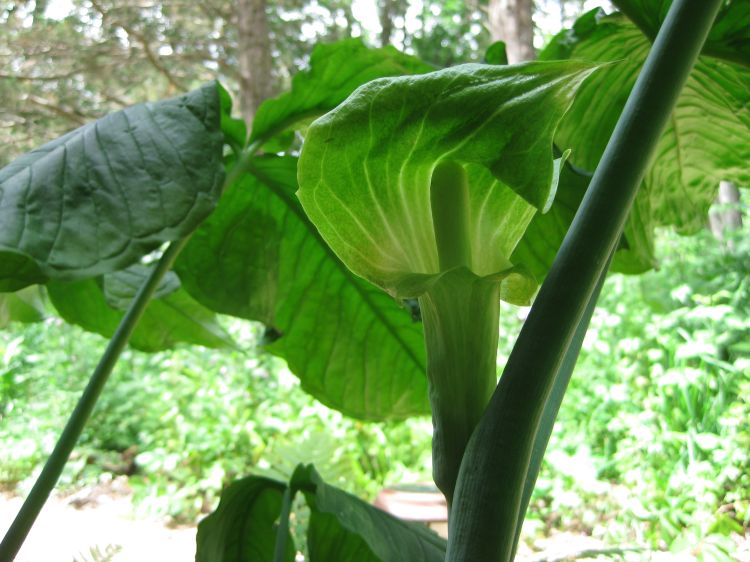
column 510, row 21
column 254, row 56
column 387, row 8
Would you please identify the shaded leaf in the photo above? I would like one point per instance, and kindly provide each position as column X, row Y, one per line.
column 336, row 69
column 121, row 287
column 729, row 38
column 173, row 318
column 18, row 271
column 259, row 257
column 26, row 305
column 98, row 198
column 366, row 167
column 243, row 527
column 346, row 529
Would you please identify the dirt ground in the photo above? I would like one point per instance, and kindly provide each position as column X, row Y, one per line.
column 97, row 524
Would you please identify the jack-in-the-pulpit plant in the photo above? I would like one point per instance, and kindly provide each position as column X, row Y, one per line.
column 423, row 185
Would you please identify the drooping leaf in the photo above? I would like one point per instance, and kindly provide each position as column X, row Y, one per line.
column 707, row 139
column 26, row 305
column 336, row 69
column 243, row 527
column 98, row 198
column 730, row 34
column 120, row 287
column 259, row 257
column 18, row 270
column 366, row 167
column 98, row 305
column 346, row 529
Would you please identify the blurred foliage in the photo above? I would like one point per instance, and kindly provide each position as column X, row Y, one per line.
column 183, row 424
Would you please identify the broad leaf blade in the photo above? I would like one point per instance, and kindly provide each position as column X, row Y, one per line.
column 335, row 71
column 344, row 528
column 707, row 139
column 171, row 319
column 259, row 257
column 98, row 198
column 243, row 527
column 730, row 34
column 365, row 167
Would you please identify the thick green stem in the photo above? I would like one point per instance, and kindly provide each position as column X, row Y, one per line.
column 460, row 314
column 485, row 513
column 43, row 486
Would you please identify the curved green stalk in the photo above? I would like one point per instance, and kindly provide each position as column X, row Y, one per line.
column 46, row 481
column 485, row 513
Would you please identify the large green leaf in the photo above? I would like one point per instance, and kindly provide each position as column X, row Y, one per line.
column 346, row 529
column 98, row 198
column 336, row 69
column 730, row 35
column 707, row 139
column 243, row 527
column 98, row 305
column 26, row 305
column 366, row 167
column 259, row 257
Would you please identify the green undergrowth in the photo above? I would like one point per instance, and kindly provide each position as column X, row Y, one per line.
column 184, row 423
column 650, row 449
column 652, row 445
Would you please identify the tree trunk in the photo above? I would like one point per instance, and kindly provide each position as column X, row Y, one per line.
column 728, row 217
column 387, row 8
column 510, row 21
column 253, row 56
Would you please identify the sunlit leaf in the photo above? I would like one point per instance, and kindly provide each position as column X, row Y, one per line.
column 336, row 69
column 98, row 305
column 26, row 305
column 707, row 138
column 259, row 257
column 366, row 167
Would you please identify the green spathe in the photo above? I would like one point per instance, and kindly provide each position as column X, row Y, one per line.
column 366, row 167
column 424, row 185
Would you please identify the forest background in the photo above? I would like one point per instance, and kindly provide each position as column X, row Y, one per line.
column 651, row 453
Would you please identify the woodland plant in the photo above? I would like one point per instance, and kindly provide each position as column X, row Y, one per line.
column 454, row 188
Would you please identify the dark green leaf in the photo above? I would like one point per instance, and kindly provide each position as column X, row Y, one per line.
column 336, row 69
column 26, row 305
column 97, row 199
column 171, row 319
column 18, row 271
column 346, row 529
column 730, row 35
column 243, row 527
column 120, row 287
column 258, row 257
